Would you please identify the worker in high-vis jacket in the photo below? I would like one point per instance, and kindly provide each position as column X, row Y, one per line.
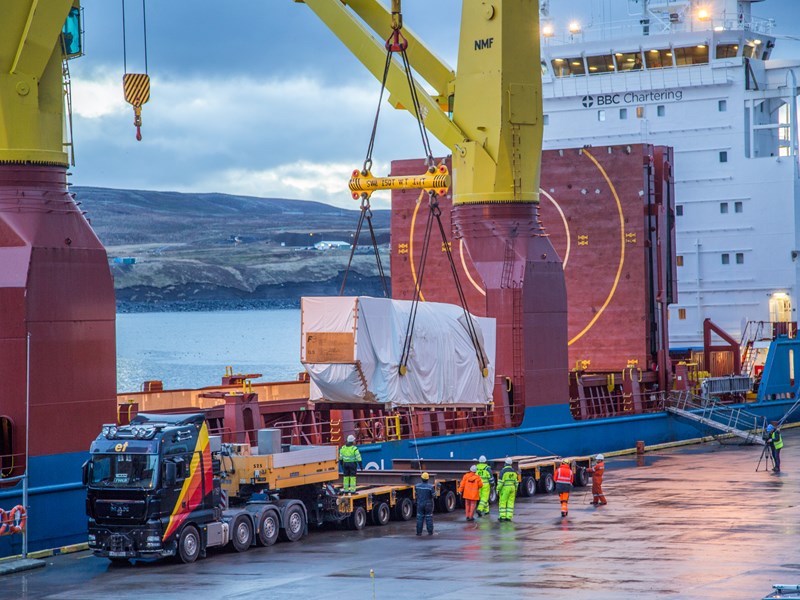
column 507, row 483
column 350, row 459
column 563, row 478
column 596, row 471
column 775, row 443
column 485, row 473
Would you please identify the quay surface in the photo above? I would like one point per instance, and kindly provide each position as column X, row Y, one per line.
column 690, row 522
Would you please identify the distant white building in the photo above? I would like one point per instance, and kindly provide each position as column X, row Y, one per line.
column 326, row 245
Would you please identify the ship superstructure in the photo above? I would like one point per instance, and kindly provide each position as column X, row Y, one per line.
column 700, row 77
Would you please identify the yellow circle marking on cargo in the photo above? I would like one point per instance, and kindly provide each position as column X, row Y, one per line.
column 411, row 244
column 621, row 249
column 566, row 226
column 474, row 283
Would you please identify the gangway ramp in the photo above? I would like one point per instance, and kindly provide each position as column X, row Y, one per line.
column 725, row 418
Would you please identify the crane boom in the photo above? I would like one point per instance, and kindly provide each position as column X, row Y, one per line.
column 495, row 133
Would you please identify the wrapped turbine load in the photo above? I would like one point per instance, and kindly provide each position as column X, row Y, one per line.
column 352, row 347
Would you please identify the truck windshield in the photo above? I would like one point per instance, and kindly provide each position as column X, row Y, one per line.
column 124, row 470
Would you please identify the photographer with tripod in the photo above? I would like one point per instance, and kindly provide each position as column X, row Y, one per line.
column 775, row 443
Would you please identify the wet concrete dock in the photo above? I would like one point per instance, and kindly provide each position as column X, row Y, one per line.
column 690, row 522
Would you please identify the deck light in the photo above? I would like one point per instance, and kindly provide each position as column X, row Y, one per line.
column 547, row 30
column 574, row 27
column 703, row 14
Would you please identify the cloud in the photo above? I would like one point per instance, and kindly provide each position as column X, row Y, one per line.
column 294, row 138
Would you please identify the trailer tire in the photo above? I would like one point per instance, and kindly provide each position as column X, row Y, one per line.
column 294, row 524
column 580, row 477
column 404, row 509
column 527, row 487
column 447, row 501
column 269, row 526
column 358, row 518
column 241, row 533
column 547, row 485
column 189, row 544
column 381, row 514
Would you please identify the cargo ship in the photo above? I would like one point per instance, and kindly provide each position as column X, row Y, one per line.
column 601, row 228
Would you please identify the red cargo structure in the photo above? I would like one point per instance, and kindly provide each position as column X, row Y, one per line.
column 609, row 213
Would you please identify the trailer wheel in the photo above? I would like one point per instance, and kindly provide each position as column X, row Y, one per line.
column 358, row 518
column 189, row 544
column 381, row 514
column 447, row 501
column 268, row 528
column 547, row 484
column 580, row 477
column 404, row 509
column 294, row 524
column 528, row 486
column 241, row 533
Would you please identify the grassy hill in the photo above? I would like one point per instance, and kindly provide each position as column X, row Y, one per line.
column 218, row 250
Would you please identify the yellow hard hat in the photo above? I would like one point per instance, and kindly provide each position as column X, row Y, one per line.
column 564, row 461
column 425, row 476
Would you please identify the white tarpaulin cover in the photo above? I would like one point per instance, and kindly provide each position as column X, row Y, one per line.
column 442, row 368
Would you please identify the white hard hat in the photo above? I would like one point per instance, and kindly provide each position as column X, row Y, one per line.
column 351, row 438
column 482, row 459
column 509, row 461
column 599, row 457
column 474, row 469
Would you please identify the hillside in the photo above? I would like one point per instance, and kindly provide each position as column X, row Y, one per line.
column 195, row 251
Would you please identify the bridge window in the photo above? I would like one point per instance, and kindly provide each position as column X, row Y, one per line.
column 722, row 105
column 661, row 110
column 546, row 119
column 726, row 258
column 6, row 447
column 601, row 64
column 682, row 314
column 628, row 61
column 693, row 55
column 601, row 115
column 658, row 59
column 723, row 207
column 723, row 157
column 564, row 67
column 727, row 50
column 679, row 260
column 740, row 258
column 738, row 207
column 679, row 210
column 623, row 114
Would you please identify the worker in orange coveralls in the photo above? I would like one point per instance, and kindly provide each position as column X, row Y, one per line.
column 598, row 498
column 470, row 490
column 564, row 484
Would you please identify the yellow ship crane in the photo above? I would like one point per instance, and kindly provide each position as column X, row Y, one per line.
column 489, row 114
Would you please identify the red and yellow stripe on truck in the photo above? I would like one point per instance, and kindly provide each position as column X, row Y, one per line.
column 198, row 483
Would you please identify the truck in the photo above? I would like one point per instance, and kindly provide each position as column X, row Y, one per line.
column 161, row 486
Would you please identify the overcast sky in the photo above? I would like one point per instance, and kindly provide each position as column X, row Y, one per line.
column 257, row 97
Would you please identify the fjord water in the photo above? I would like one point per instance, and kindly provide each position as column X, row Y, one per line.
column 192, row 349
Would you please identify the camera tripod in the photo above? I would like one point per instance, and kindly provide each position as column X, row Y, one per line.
column 766, row 456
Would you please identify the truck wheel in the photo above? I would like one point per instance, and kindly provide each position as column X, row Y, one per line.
column 404, row 509
column 580, row 477
column 268, row 528
column 528, row 486
column 447, row 501
column 294, row 524
column 242, row 533
column 189, row 544
column 358, row 518
column 381, row 514
column 547, row 484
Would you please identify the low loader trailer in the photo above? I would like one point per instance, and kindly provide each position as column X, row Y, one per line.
column 161, row 486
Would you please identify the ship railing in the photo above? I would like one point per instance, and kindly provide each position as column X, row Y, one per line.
column 711, row 409
column 11, row 466
column 599, row 404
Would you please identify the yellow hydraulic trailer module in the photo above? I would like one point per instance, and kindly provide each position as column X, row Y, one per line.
column 242, row 472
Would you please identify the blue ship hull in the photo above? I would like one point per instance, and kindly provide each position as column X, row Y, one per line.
column 57, row 497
